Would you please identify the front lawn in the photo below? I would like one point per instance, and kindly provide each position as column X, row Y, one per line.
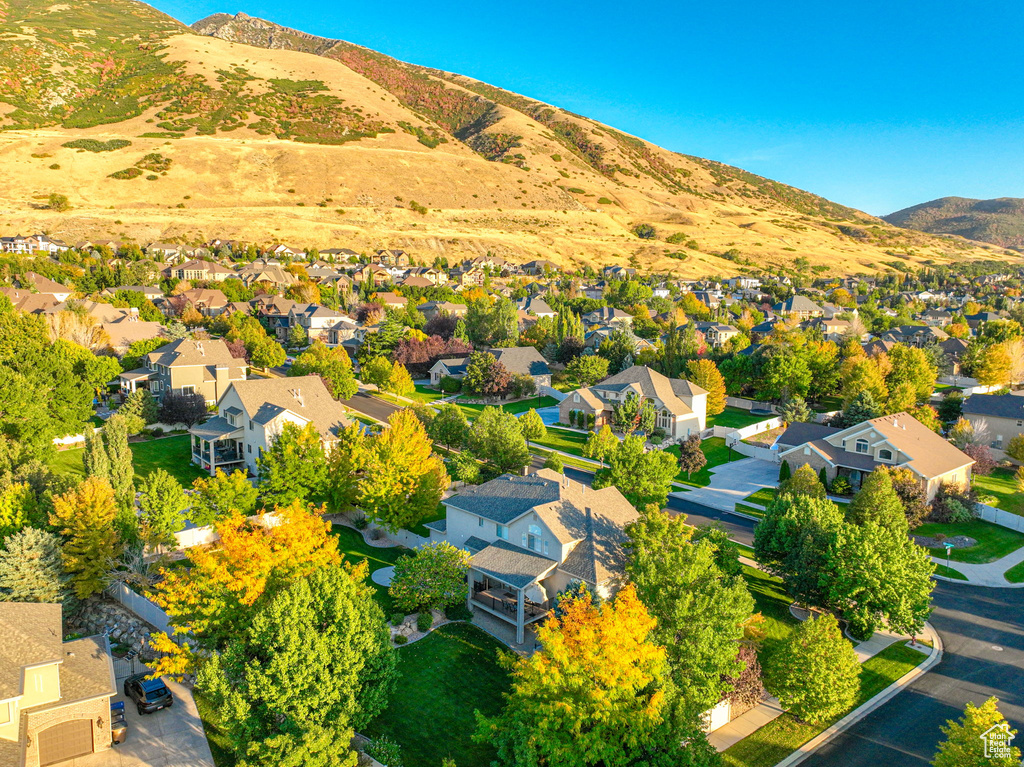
column 172, row 454
column 426, row 394
column 762, row 497
column 1002, row 485
column 994, row 542
column 444, row 679
column 783, row 735
column 736, row 418
column 949, row 572
column 715, row 451
column 566, row 441
column 1015, row 574
column 354, row 549
column 472, row 410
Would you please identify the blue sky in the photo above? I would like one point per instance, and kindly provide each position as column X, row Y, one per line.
column 878, row 105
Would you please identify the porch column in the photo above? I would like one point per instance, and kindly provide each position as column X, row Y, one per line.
column 520, row 617
column 213, row 457
column 470, row 580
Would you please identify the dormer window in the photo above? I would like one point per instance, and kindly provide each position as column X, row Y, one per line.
column 861, row 446
column 885, row 455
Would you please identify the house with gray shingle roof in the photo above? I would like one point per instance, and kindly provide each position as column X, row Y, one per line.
column 1001, row 414
column 252, row 414
column 186, row 366
column 531, row 537
column 518, row 360
column 681, row 405
column 54, row 695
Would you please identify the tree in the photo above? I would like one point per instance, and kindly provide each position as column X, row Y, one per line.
column 631, row 415
column 332, row 365
column 704, row 373
column 984, row 463
column 140, row 409
column 877, row 502
column 311, row 664
column 449, row 427
column 816, row 675
column 964, row 433
column 497, row 437
column 400, row 382
column 293, row 468
column 803, row 482
column 298, row 338
column 607, row 674
column 785, row 472
column 699, row 609
column 19, row 509
column 795, row 410
column 220, row 496
column 587, row 370
column 619, row 349
column 31, row 569
column 691, row 456
column 644, row 231
column 188, row 409
column 58, row 202
column 485, row 376
column 432, row 578
column 994, row 366
column 84, row 516
column 642, row 477
column 402, row 480
column 163, row 505
column 94, row 455
column 966, row 745
column 345, row 466
column 862, row 407
column 600, row 444
column 215, row 599
column 1015, row 448
column 532, row 425
column 863, row 375
column 912, row 367
column 1018, row 478
column 122, row 469
column 265, row 352
column 377, row 371
column 554, row 462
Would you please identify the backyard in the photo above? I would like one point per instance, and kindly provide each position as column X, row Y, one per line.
column 737, row 418
column 444, row 679
column 172, row 454
column 354, row 549
column 1002, row 485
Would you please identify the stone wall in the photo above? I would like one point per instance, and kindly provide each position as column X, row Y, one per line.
column 98, row 614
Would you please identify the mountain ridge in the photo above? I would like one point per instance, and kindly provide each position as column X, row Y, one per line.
column 999, row 220
column 256, row 132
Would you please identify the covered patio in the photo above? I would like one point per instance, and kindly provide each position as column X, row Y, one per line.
column 504, row 581
column 217, row 444
column 133, row 380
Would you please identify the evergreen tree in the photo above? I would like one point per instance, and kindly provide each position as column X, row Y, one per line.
column 785, row 472
column 31, row 569
column 816, row 674
column 163, row 505
column 94, row 457
column 965, row 745
column 122, row 471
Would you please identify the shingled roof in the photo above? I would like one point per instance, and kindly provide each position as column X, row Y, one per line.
column 306, row 396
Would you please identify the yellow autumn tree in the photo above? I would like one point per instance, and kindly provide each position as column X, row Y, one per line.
column 595, row 694
column 252, row 561
column 84, row 516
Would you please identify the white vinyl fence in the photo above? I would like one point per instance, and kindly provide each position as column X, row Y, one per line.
column 141, row 606
column 1000, row 517
column 735, row 437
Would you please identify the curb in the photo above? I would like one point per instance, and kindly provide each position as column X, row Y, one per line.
column 868, row 707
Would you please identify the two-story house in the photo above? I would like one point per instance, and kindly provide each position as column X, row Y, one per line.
column 54, row 695
column 801, row 306
column 1001, row 414
column 608, row 315
column 187, row 367
column 681, row 405
column 717, row 334
column 531, row 537
column 900, row 441
column 518, row 360
column 201, row 270
column 316, row 320
column 251, row 414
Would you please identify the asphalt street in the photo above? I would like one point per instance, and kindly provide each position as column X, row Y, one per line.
column 371, row 406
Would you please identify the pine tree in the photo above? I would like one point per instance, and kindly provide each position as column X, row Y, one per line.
column 94, row 457
column 85, row 518
column 31, row 569
column 785, row 472
column 964, row 745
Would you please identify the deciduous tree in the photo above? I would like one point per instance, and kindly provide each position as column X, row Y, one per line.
column 163, row 505
column 965, row 743
column 332, row 365
column 449, row 427
column 804, row 481
column 704, row 373
column 587, row 370
column 642, row 477
column 293, row 468
column 497, row 437
column 532, row 425
column 431, row 578
column 600, row 444
column 221, row 496
column 84, row 517
column 691, row 457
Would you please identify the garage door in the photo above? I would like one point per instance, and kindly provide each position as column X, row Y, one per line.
column 65, row 741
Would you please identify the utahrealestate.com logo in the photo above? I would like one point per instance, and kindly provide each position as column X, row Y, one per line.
column 998, row 740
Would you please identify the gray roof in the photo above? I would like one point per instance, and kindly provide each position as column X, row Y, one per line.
column 797, row 304
column 441, row 525
column 214, row 428
column 30, row 633
column 994, row 405
column 510, row 564
column 186, row 352
column 475, row 544
column 522, row 360
column 87, row 670
column 799, row 433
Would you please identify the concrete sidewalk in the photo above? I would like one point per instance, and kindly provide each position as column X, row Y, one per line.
column 990, row 574
column 732, row 482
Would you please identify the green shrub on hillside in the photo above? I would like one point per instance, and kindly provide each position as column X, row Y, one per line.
column 127, row 173
column 92, row 145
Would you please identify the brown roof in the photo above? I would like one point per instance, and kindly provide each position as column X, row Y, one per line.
column 87, row 670
column 306, row 396
column 930, row 454
column 30, row 633
column 653, row 384
column 185, row 352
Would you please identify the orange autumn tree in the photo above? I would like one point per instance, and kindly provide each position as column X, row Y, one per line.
column 596, row 694
column 214, row 600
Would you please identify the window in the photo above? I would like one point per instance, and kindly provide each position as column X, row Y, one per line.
column 188, row 389
column 501, row 531
column 885, row 455
column 575, row 397
column 250, row 425
column 533, row 538
column 861, row 446
column 479, row 521
column 249, row 447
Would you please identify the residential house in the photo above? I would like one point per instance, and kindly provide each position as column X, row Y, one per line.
column 344, row 329
column 743, row 283
column 150, row 292
column 433, row 308
column 161, row 251
column 29, row 302
column 801, row 306
column 541, row 266
column 618, row 272
column 894, row 440
column 43, row 286
column 54, row 695
column 193, row 271
column 271, row 277
column 276, row 311
column 518, row 360
column 717, row 334
column 186, row 366
column 536, row 306
column 338, row 254
column 288, row 252
column 390, row 300
column 916, row 335
column 1000, row 415
column 207, row 301
column 316, row 320
column 470, row 278
column 681, row 406
column 417, row 281
column 251, row 415
column 531, row 538
column 389, row 257
column 123, row 332
column 608, row 315
column 373, row 273
column 712, row 300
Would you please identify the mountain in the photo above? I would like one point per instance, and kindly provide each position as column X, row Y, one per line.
column 999, row 221
column 242, row 129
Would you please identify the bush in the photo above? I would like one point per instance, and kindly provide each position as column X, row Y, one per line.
column 841, row 486
column 401, row 639
column 384, row 749
column 92, row 145
column 605, row 201
column 58, row 202
column 360, row 522
column 396, row 619
column 656, row 439
column 449, row 385
column 126, row 174
column 458, row 612
column 644, row 231
column 157, row 432
column 424, row 621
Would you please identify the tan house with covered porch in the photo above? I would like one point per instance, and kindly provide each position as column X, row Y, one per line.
column 531, row 537
column 899, row 440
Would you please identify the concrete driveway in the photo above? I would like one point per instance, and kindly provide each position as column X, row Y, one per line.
column 732, row 482
column 171, row 737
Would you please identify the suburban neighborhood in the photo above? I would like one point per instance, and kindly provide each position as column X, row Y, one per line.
column 264, row 504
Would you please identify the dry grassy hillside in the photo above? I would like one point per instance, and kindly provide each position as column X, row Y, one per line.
column 335, row 145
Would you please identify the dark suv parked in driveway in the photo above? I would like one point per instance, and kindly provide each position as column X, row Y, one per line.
column 149, row 694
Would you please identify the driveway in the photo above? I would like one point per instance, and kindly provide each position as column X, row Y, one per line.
column 732, row 482
column 171, row 737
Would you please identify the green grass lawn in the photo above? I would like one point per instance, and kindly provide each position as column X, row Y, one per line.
column 421, row 529
column 426, row 394
column 780, row 737
column 172, row 454
column 828, row 404
column 994, row 541
column 221, row 751
column 354, row 549
column 576, row 463
column 566, row 441
column 949, row 572
column 762, row 497
column 1015, row 574
column 1002, row 485
column 471, row 411
column 743, row 509
column 445, row 678
column 735, row 418
column 715, row 451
